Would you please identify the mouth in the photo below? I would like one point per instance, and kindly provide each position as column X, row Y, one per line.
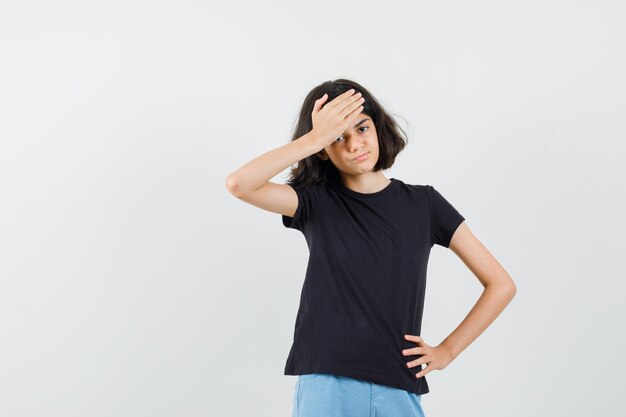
column 361, row 157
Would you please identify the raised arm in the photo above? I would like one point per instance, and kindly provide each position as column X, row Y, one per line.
column 257, row 172
column 250, row 182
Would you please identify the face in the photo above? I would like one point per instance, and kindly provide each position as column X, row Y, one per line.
column 359, row 139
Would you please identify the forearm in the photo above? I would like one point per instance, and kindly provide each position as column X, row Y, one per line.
column 493, row 300
column 257, row 172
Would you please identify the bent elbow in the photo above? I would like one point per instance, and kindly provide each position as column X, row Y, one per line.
column 512, row 289
column 231, row 185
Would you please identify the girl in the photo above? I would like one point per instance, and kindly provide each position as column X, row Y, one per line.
column 357, row 346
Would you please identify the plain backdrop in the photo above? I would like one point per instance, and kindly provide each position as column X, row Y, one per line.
column 132, row 283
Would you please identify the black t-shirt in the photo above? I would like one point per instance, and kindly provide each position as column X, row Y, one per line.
column 365, row 279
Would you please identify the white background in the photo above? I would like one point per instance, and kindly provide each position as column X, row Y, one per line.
column 133, row 284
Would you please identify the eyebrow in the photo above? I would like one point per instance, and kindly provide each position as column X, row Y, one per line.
column 361, row 122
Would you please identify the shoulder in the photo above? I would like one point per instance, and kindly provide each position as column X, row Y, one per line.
column 426, row 193
column 426, row 190
column 309, row 195
column 314, row 190
column 421, row 189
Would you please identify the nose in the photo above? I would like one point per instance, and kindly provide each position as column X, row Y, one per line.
column 355, row 143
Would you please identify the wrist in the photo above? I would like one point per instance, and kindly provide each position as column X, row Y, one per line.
column 316, row 141
column 447, row 350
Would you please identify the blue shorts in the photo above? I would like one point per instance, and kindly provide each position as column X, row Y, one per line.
column 326, row 395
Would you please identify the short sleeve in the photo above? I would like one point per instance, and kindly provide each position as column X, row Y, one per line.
column 444, row 218
column 308, row 197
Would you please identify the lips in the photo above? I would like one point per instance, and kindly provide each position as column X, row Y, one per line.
column 363, row 154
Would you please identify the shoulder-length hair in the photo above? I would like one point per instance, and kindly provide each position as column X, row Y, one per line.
column 391, row 138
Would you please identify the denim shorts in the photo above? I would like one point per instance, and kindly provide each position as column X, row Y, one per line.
column 326, row 395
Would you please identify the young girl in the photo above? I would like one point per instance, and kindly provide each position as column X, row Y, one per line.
column 357, row 346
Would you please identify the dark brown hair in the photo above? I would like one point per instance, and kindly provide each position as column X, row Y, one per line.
column 391, row 138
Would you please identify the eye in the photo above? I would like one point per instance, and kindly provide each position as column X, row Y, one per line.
column 341, row 137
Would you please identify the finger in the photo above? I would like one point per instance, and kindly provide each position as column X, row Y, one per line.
column 343, row 99
column 423, row 359
column 353, row 115
column 319, row 102
column 348, row 105
column 354, row 108
column 416, row 362
column 413, row 338
column 423, row 372
column 414, row 351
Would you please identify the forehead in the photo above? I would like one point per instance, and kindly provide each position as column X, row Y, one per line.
column 361, row 119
